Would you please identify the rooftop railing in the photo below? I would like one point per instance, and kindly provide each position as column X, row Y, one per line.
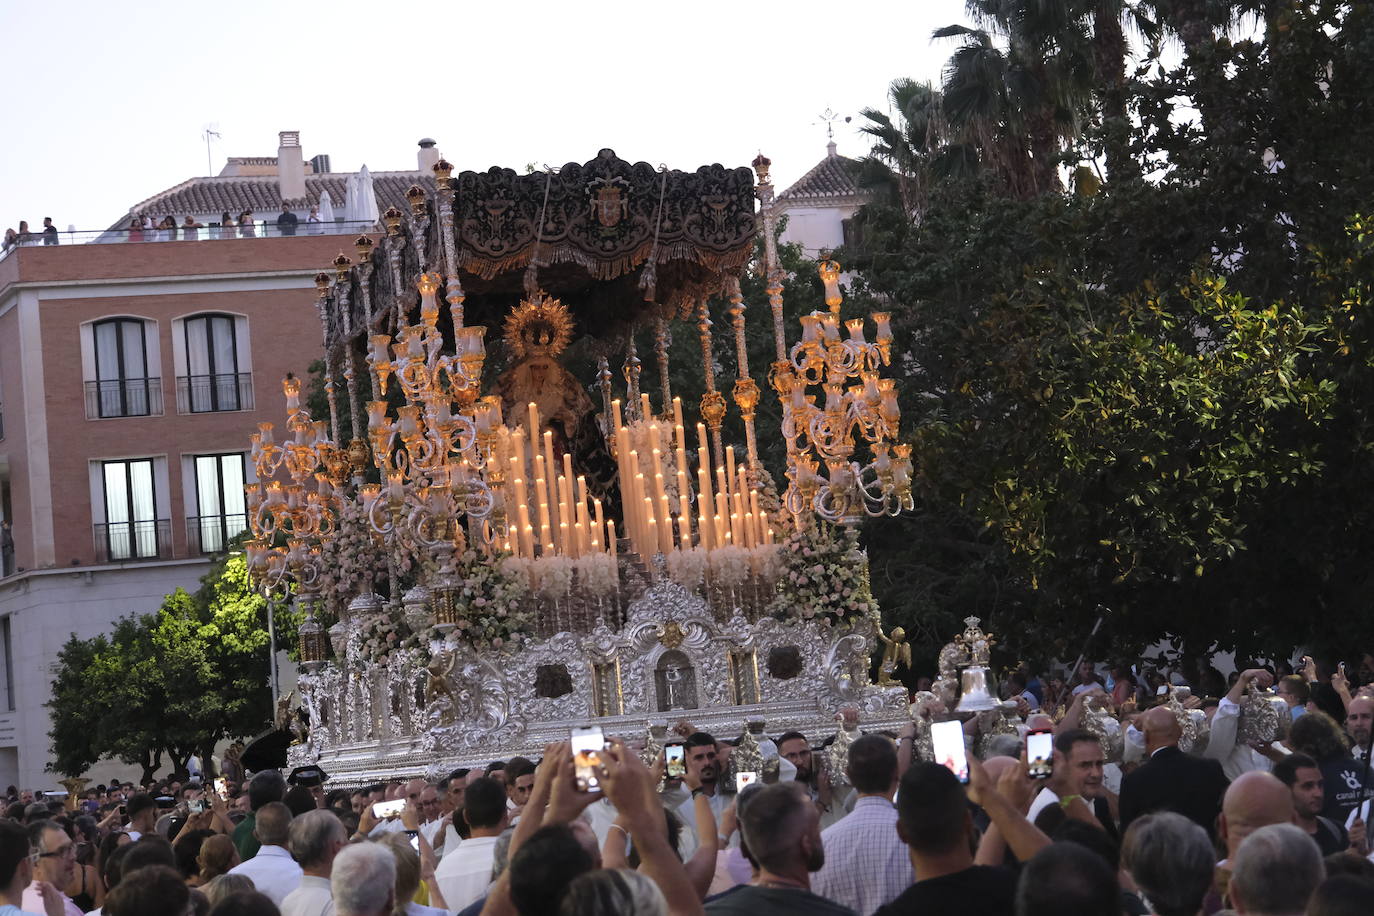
column 264, row 228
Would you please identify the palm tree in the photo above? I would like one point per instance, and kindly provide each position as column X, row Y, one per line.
column 912, row 147
column 1017, row 86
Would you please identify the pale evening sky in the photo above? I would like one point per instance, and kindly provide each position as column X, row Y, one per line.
column 106, row 102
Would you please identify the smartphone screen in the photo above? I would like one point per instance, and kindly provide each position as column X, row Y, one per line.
column 744, row 779
column 222, row 786
column 675, row 757
column 385, row 809
column 1040, row 753
column 587, row 745
column 948, row 741
column 195, row 806
column 414, row 839
column 1163, row 689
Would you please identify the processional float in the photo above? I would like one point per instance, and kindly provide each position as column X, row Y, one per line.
column 484, row 555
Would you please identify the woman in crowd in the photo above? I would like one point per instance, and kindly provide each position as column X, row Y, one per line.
column 168, row 228
column 407, row 878
column 226, row 887
column 246, row 224
column 216, row 856
column 84, row 887
column 228, row 229
column 187, row 849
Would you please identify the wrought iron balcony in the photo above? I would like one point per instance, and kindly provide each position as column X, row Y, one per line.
column 207, row 534
column 124, row 397
column 143, row 540
column 212, row 393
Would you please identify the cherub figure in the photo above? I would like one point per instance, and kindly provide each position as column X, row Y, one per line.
column 897, row 650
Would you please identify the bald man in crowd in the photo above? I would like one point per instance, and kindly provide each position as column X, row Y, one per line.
column 1171, row 780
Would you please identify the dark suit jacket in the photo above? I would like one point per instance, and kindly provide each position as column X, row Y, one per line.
column 1174, row 781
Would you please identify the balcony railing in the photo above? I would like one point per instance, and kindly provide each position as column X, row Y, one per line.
column 211, row 393
column 211, row 533
column 262, row 229
column 144, row 540
column 124, row 397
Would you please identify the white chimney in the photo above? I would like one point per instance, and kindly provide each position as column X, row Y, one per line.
column 428, row 155
column 290, row 166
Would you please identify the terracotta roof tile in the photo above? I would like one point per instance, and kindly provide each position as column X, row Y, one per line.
column 212, row 196
column 832, row 177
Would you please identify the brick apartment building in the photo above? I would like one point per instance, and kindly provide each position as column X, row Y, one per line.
column 131, row 377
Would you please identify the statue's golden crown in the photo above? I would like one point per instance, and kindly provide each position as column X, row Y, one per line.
column 539, row 326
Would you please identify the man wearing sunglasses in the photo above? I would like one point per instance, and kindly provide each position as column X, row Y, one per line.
column 53, row 855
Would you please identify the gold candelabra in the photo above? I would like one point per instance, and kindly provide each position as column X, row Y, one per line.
column 826, row 434
column 292, row 513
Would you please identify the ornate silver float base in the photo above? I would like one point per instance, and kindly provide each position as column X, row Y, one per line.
column 673, row 659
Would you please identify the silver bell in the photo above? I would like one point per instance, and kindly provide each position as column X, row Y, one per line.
column 975, row 697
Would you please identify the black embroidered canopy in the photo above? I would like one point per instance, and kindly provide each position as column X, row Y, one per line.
column 611, row 239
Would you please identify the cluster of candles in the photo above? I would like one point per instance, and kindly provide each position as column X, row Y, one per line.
column 728, row 511
column 553, row 512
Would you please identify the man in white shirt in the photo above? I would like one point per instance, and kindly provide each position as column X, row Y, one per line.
column 273, row 871
column 1078, row 763
column 316, row 838
column 866, row 862
column 431, row 818
column 465, row 873
column 1236, row 758
column 703, row 762
column 55, row 856
column 409, row 793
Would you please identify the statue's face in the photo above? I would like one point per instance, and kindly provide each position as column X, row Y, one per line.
column 898, row 634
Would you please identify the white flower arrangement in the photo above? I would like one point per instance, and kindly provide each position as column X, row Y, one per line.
column 824, row 577
column 491, row 602
column 729, row 566
column 351, row 561
column 597, row 574
column 767, row 563
column 553, row 576
column 688, row 567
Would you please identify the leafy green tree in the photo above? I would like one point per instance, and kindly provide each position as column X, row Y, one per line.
column 1049, row 308
column 171, row 684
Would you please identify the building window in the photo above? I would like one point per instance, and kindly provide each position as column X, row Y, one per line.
column 213, row 381
column 131, row 530
column 123, row 386
column 219, row 502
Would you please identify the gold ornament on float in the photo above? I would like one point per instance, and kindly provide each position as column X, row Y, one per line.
column 541, row 326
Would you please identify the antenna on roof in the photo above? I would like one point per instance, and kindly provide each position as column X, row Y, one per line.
column 210, row 132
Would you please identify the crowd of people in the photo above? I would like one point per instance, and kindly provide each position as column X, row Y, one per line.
column 1275, row 828
column 143, row 228
column 23, row 236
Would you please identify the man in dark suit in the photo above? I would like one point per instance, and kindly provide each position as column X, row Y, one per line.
column 1171, row 780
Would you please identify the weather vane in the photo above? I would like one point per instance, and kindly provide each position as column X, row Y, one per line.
column 829, row 117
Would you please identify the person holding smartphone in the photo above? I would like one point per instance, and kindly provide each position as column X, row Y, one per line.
column 1076, row 773
column 704, row 767
column 934, row 820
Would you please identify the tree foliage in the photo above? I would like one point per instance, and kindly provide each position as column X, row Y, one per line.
column 1155, row 397
column 168, row 684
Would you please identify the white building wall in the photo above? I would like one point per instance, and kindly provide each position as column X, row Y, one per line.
column 816, row 229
